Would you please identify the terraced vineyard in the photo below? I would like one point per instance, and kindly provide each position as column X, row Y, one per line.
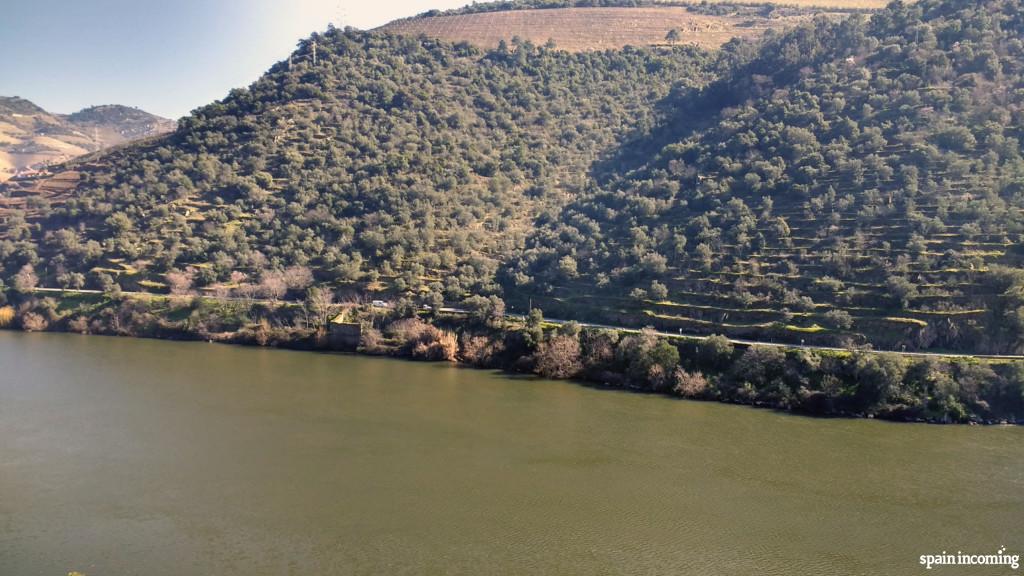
column 741, row 295
column 581, row 29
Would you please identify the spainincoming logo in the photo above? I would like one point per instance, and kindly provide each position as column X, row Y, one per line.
column 1000, row 558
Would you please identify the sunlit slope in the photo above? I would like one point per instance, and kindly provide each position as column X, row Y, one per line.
column 581, row 29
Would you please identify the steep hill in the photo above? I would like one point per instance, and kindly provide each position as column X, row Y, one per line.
column 602, row 28
column 32, row 137
column 851, row 181
column 389, row 161
column 858, row 181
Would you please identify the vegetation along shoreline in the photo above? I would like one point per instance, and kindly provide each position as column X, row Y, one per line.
column 479, row 334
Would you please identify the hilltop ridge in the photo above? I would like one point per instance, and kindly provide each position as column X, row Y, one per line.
column 584, row 25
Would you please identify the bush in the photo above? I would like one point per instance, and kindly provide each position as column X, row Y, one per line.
column 690, row 384
column 32, row 322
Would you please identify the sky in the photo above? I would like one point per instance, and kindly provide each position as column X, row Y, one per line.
column 167, row 57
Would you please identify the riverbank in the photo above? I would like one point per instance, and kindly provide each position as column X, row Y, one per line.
column 818, row 383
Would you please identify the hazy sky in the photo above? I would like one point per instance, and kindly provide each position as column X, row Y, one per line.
column 164, row 56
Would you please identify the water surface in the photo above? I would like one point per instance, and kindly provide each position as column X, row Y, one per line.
column 121, row 456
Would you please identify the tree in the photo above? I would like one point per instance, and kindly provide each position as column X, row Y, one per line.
column 658, row 291
column 559, row 357
column 901, row 290
column 534, row 327
column 298, row 277
column 273, row 284
column 839, row 319
column 648, row 360
column 485, row 310
column 25, row 281
column 716, row 352
column 71, row 280
column 179, row 282
column 32, row 322
column 567, row 268
column 319, row 307
column 673, row 36
column 878, row 377
column 762, row 368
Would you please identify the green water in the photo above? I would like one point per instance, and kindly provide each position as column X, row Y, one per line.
column 122, row 456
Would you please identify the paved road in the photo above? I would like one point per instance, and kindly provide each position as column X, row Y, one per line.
column 744, row 342
column 173, row 296
column 628, row 330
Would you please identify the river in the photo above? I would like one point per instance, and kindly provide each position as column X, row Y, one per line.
column 124, row 456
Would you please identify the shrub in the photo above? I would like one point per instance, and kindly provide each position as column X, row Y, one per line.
column 690, row 384
column 436, row 345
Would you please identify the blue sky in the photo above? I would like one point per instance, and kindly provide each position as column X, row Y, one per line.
column 164, row 56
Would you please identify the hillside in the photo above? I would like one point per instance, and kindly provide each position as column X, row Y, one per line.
column 601, row 28
column 853, row 181
column 31, row 137
column 857, row 183
column 388, row 161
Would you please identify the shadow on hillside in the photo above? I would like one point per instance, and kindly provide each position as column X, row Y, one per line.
column 683, row 113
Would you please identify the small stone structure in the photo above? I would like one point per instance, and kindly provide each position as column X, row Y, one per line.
column 345, row 335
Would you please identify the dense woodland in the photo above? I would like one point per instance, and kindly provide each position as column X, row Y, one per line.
column 854, row 182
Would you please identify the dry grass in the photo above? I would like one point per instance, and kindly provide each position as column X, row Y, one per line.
column 823, row 4
column 584, row 29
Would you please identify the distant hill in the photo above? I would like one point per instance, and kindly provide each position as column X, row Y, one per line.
column 31, row 137
column 583, row 26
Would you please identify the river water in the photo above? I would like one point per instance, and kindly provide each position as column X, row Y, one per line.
column 122, row 456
